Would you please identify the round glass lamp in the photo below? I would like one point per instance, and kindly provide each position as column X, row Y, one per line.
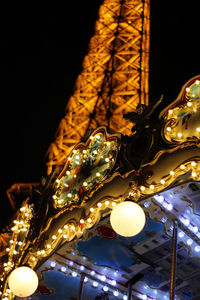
column 127, row 218
column 23, row 281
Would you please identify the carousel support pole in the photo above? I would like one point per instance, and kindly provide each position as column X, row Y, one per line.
column 80, row 287
column 130, row 291
column 173, row 261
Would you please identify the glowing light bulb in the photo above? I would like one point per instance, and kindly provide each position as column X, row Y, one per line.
column 105, row 288
column 189, row 242
column 169, row 129
column 187, row 222
column 187, row 89
column 113, row 282
column 82, row 268
column 127, row 218
column 182, row 167
column 152, row 187
column 197, row 248
column 162, row 181
column 179, row 134
column 68, row 172
column 95, row 283
column 195, row 229
column 171, row 173
column 92, row 273
column 181, row 234
column 53, row 264
column 115, row 293
column 98, row 174
column 169, row 206
column 23, row 281
column 74, row 274
column 142, row 188
column 63, row 269
column 103, row 278
column 189, row 104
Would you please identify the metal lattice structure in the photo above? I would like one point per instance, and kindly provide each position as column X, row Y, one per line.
column 114, row 77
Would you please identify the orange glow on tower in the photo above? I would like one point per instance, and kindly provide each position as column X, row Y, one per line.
column 114, row 77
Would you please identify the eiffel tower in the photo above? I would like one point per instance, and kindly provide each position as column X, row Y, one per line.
column 113, row 80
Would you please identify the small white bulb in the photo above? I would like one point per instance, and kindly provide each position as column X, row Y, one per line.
column 53, row 264
column 189, row 242
column 95, row 283
column 103, row 278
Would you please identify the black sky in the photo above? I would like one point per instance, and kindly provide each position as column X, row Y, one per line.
column 42, row 48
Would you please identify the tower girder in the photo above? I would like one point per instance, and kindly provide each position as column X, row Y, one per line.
column 114, row 76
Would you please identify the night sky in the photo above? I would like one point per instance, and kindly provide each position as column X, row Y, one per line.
column 42, row 49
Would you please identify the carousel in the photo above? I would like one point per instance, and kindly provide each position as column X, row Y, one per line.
column 122, row 218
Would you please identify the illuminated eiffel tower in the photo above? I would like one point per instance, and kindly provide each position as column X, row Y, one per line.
column 113, row 81
column 114, row 77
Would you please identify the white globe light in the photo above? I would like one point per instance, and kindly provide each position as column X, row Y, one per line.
column 23, row 281
column 127, row 218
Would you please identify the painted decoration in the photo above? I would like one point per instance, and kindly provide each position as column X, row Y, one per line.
column 182, row 117
column 116, row 253
column 87, row 165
